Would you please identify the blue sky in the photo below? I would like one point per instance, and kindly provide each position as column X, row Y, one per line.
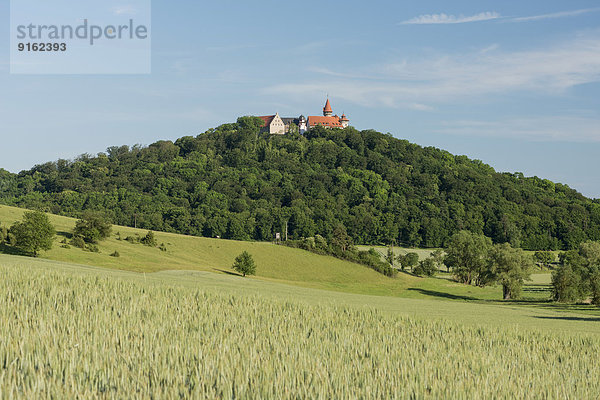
column 515, row 84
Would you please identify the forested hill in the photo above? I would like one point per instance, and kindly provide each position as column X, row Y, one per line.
column 234, row 182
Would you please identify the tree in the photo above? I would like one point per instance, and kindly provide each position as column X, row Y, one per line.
column 509, row 267
column 578, row 276
column 92, row 228
column 466, row 255
column 390, row 257
column 244, row 264
column 34, row 233
column 566, row 284
column 438, row 258
column 340, row 241
column 545, row 258
column 426, row 267
column 409, row 260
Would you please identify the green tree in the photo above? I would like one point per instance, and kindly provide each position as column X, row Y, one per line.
column 545, row 258
column 467, row 255
column 92, row 228
column 340, row 241
column 427, row 267
column 244, row 264
column 438, row 258
column 566, row 284
column 409, row 260
column 34, row 233
column 509, row 267
column 390, row 257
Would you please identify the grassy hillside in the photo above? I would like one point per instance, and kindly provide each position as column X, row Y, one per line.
column 275, row 263
column 81, row 332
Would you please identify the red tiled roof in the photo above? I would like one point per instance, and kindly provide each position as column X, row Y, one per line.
column 267, row 119
column 327, row 107
column 331, row 122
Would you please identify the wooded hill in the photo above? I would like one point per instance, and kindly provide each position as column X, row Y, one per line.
column 237, row 183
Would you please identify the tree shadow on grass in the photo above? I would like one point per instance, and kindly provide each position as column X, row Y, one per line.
column 67, row 235
column 585, row 319
column 13, row 251
column 434, row 293
column 228, row 272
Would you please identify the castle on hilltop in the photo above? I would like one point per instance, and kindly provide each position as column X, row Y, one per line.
column 276, row 125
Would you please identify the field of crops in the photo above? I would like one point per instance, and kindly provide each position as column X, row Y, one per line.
column 76, row 335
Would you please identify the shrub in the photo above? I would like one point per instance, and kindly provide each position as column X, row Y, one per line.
column 162, row 247
column 93, row 248
column 3, row 234
column 426, row 267
column 149, row 239
column 132, row 239
column 92, row 228
column 115, row 254
column 65, row 246
column 78, row 241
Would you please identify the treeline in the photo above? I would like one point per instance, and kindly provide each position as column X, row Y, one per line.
column 237, row 183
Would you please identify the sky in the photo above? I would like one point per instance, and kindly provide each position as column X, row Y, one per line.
column 515, row 84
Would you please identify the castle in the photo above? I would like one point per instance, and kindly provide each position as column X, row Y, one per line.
column 276, row 125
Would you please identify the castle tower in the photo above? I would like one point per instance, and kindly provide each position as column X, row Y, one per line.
column 344, row 121
column 327, row 111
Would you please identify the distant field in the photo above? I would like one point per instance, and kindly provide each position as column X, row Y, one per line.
column 81, row 332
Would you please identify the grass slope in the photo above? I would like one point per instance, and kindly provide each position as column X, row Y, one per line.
column 275, row 264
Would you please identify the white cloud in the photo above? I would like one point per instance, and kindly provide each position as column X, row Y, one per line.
column 552, row 128
column 451, row 19
column 124, row 10
column 561, row 14
column 448, row 78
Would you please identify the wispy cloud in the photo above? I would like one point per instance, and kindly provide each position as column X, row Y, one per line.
column 446, row 78
column 561, row 14
column 549, row 128
column 451, row 19
column 431, row 19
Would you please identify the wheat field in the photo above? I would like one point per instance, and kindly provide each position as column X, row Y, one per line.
column 70, row 335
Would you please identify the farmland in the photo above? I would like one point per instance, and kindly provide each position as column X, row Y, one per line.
column 73, row 331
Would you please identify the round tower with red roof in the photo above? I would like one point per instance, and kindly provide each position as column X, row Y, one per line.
column 327, row 110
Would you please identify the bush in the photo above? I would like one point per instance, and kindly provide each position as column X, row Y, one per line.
column 92, row 248
column 132, row 239
column 162, row 247
column 427, row 267
column 92, row 228
column 149, row 239
column 65, row 246
column 115, row 254
column 3, row 234
column 78, row 241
